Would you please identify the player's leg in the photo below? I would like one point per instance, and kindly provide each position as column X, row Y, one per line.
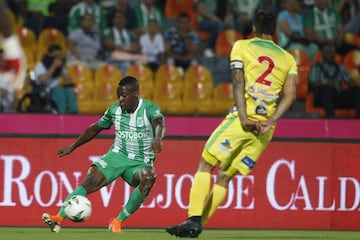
column 94, row 180
column 198, row 194
column 252, row 147
column 142, row 177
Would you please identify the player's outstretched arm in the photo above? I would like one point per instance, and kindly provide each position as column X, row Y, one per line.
column 92, row 131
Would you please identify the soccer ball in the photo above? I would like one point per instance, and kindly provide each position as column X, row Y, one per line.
column 78, row 208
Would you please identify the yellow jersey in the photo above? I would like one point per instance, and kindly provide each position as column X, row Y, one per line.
column 266, row 67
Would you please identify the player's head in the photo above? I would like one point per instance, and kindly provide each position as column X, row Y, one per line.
column 128, row 93
column 264, row 23
column 328, row 51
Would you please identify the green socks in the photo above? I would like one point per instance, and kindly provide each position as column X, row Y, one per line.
column 134, row 202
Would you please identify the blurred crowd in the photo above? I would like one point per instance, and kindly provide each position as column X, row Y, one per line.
column 183, row 34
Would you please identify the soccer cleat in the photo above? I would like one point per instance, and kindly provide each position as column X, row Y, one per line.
column 115, row 225
column 187, row 229
column 54, row 221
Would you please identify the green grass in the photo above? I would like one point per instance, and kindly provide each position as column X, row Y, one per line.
column 27, row 233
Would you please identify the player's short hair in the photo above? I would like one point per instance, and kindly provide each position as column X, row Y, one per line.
column 265, row 22
column 129, row 81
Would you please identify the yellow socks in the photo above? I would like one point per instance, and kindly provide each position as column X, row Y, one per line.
column 216, row 197
column 198, row 193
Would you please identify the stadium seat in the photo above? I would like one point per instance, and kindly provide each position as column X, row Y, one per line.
column 168, row 73
column 80, row 73
column 352, row 64
column 198, row 73
column 352, row 39
column 318, row 58
column 339, row 113
column 304, row 65
column 169, row 96
column 225, row 41
column 198, row 96
column 223, row 98
column 174, row 7
column 85, row 97
column 106, row 80
column 47, row 37
column 145, row 77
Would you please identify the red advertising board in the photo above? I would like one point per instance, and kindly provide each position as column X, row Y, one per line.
column 295, row 185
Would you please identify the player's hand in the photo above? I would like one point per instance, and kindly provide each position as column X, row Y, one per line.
column 156, row 146
column 64, row 151
column 249, row 125
column 264, row 127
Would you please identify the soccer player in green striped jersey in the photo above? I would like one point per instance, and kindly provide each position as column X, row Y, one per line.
column 139, row 129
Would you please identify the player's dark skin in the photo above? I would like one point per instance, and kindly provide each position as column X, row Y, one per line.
column 145, row 178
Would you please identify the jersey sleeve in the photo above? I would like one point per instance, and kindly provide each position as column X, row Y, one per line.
column 236, row 57
column 106, row 121
column 154, row 112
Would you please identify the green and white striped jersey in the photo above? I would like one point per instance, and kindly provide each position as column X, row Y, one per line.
column 133, row 132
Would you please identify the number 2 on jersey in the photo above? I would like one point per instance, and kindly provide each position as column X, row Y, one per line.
column 262, row 78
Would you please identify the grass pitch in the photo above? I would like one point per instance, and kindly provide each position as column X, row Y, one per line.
column 27, row 233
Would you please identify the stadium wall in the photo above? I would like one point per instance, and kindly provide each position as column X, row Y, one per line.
column 308, row 177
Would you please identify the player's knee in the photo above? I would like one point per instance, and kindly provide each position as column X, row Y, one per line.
column 147, row 180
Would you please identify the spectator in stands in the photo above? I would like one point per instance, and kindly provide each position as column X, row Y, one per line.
column 85, row 44
column 209, row 22
column 291, row 30
column 56, row 18
column 326, row 80
column 50, row 74
column 148, row 10
column 323, row 25
column 181, row 42
column 243, row 12
column 153, row 46
column 87, row 7
column 347, row 9
column 37, row 11
column 7, row 92
column 130, row 15
column 121, row 47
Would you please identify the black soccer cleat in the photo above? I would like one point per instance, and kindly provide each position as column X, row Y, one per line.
column 187, row 229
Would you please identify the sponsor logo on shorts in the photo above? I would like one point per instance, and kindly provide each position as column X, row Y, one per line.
column 225, row 146
column 248, row 162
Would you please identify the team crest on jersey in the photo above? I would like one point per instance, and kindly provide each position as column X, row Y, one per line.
column 139, row 122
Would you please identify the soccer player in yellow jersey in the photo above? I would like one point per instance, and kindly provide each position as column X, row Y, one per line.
column 260, row 71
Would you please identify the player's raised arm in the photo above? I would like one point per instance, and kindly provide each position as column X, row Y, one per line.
column 92, row 131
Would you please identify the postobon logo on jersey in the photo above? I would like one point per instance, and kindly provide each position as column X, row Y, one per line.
column 135, row 135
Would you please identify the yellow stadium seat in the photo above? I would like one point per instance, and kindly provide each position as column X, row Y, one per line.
column 47, row 37
column 106, row 79
column 168, row 73
column 199, row 97
column 80, row 73
column 85, row 97
column 145, row 77
column 198, row 73
column 169, row 96
column 223, row 97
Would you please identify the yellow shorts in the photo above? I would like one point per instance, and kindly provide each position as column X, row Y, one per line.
column 236, row 149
